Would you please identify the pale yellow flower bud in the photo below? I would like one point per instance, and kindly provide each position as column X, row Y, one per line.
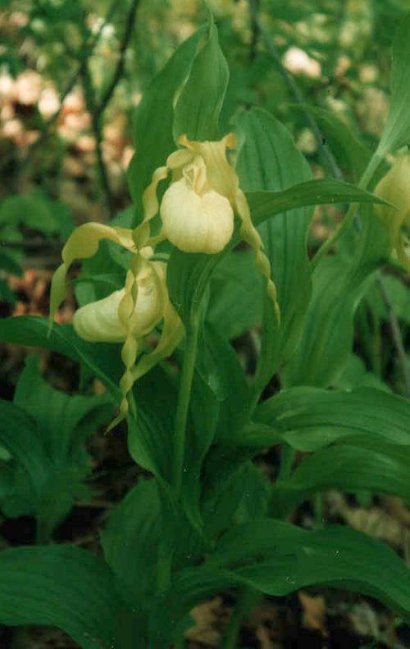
column 394, row 188
column 100, row 321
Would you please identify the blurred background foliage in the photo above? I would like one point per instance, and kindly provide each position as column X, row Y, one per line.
column 72, row 72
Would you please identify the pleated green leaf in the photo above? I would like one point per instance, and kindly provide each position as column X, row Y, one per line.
column 278, row 558
column 154, row 119
column 130, row 542
column 339, row 283
column 351, row 153
column 397, row 129
column 103, row 360
column 200, row 102
column 309, row 419
column 362, row 465
column 60, row 586
column 269, row 160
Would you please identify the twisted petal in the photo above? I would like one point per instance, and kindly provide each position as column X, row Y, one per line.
column 83, row 243
column 250, row 234
column 172, row 333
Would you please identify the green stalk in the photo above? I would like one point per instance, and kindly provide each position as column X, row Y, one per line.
column 185, row 388
column 348, row 219
column 248, row 598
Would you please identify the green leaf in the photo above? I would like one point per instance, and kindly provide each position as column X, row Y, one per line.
column 233, row 494
column 19, row 435
column 60, row 586
column 277, row 558
column 399, row 296
column 154, row 119
column 130, row 542
column 150, row 433
column 261, row 166
column 265, row 204
column 188, row 273
column 50, row 462
column 236, row 295
column 397, row 129
column 350, row 152
column 358, row 464
column 200, row 102
column 9, row 265
column 338, row 285
column 102, row 359
column 218, row 404
column 65, row 422
column 309, row 419
column 355, row 375
column 38, row 212
column 236, row 394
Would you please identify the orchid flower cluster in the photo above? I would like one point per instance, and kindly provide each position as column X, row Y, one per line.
column 197, row 213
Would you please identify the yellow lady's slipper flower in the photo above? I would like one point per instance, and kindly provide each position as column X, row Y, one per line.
column 394, row 188
column 128, row 314
column 100, row 320
column 198, row 208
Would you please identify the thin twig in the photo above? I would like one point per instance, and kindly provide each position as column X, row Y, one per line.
column 396, row 336
column 45, row 130
column 89, row 93
column 336, row 172
column 327, row 155
column 119, row 70
column 33, row 244
column 97, row 108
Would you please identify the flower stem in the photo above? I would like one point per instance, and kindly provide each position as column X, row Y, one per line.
column 184, row 396
column 348, row 219
column 248, row 598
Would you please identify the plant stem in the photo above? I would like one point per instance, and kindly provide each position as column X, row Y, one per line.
column 185, row 388
column 247, row 600
column 397, row 336
column 287, row 458
column 350, row 215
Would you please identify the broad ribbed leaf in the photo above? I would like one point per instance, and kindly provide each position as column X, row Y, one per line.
column 19, row 434
column 362, row 465
column 150, row 433
column 188, row 273
column 130, row 542
column 339, row 283
column 268, row 160
column 64, row 421
column 60, row 586
column 277, row 558
column 154, row 119
column 236, row 298
column 350, row 152
column 200, row 102
column 309, row 419
column 397, row 129
column 103, row 360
